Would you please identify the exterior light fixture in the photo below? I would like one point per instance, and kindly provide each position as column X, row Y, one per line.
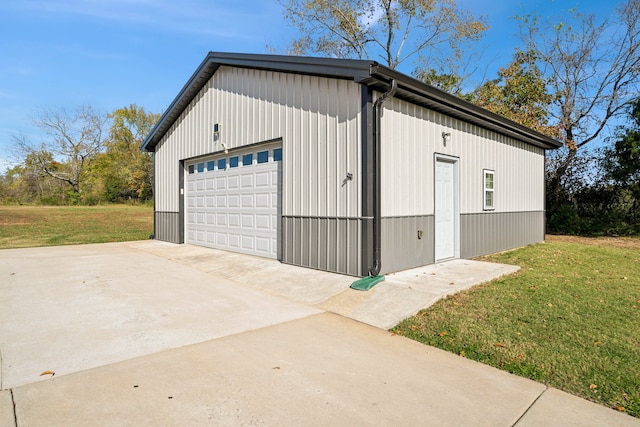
column 446, row 137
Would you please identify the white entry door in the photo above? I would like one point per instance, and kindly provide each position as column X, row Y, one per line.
column 233, row 201
column 446, row 209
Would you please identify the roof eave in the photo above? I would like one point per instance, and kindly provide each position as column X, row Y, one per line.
column 435, row 99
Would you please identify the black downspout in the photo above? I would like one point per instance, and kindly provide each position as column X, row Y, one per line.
column 377, row 183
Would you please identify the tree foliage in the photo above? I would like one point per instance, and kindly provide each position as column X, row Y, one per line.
column 123, row 171
column 73, row 137
column 84, row 157
column 600, row 191
column 592, row 69
column 519, row 94
column 388, row 30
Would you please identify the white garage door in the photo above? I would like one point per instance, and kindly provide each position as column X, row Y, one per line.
column 233, row 201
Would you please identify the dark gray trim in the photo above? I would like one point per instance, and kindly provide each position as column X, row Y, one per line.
column 490, row 232
column 181, row 190
column 167, row 226
column 154, row 185
column 368, row 173
column 377, row 180
column 328, row 244
column 401, row 247
column 366, row 72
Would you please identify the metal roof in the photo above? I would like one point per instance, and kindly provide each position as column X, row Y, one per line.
column 366, row 72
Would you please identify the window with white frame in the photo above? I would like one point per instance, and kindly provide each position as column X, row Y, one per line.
column 488, row 194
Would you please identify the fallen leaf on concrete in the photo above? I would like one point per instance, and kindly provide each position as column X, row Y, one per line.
column 276, row 367
column 452, row 283
column 47, row 372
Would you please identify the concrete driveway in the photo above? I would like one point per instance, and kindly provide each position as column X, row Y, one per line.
column 150, row 333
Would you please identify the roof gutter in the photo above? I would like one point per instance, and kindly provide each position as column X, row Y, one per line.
column 376, row 265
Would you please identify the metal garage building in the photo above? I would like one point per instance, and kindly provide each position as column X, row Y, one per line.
column 341, row 165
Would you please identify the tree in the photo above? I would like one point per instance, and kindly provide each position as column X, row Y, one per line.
column 391, row 30
column 124, row 171
column 592, row 70
column 621, row 162
column 519, row 94
column 72, row 140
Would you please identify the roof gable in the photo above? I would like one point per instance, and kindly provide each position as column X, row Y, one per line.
column 366, row 72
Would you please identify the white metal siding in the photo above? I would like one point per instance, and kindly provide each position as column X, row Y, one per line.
column 412, row 134
column 317, row 118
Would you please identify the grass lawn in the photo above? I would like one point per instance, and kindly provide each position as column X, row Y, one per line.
column 570, row 319
column 29, row 226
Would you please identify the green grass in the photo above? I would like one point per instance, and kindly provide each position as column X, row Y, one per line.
column 570, row 319
column 30, row 226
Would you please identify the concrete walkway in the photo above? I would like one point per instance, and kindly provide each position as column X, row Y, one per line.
column 148, row 333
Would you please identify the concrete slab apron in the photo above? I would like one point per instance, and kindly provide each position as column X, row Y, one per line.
column 72, row 308
column 319, row 370
column 401, row 295
column 405, row 293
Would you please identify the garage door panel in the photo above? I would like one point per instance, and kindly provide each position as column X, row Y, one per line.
column 263, row 201
column 233, row 182
column 222, row 239
column 234, row 220
column 248, row 221
column 248, row 242
column 263, row 179
column 234, row 208
column 263, row 222
column 234, row 240
column 263, row 244
column 247, row 201
column 233, row 201
column 247, row 180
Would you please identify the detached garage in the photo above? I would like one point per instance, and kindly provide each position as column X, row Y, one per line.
column 341, row 165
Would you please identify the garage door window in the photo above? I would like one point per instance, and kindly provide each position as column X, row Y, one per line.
column 247, row 159
column 222, row 164
column 191, row 169
column 277, row 154
column 210, row 166
column 263, row 157
column 233, row 162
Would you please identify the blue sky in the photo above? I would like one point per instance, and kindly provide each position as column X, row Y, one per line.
column 112, row 53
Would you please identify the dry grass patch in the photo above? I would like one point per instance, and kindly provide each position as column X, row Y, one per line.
column 31, row 226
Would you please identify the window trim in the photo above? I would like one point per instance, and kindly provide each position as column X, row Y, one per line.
column 486, row 190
